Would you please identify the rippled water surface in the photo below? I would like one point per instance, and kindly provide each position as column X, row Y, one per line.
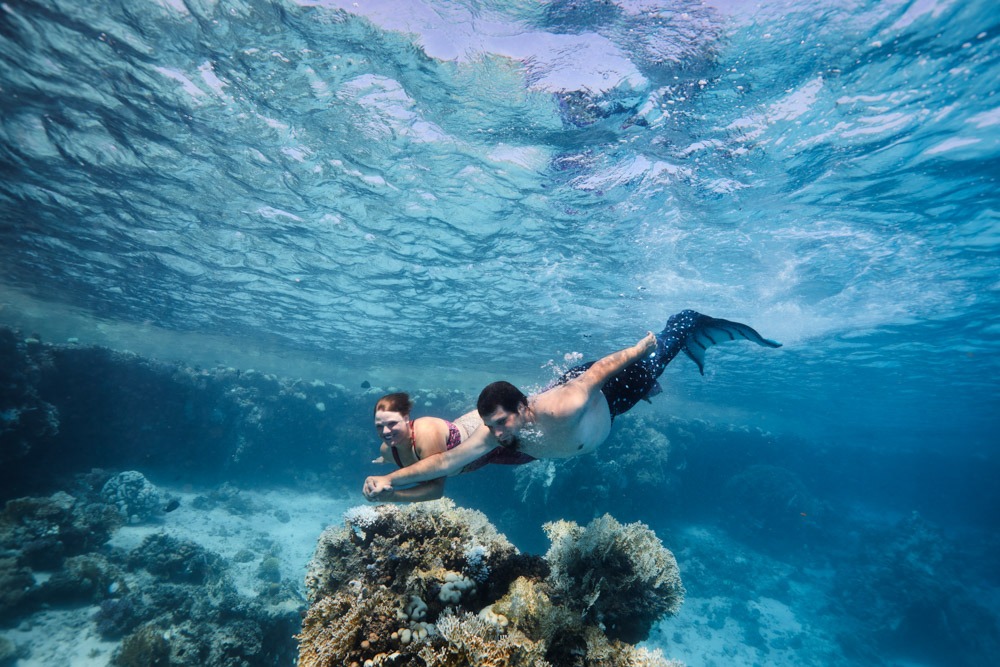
column 485, row 186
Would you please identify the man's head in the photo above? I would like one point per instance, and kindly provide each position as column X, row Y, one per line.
column 503, row 408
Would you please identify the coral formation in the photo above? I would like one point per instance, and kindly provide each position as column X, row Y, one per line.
column 906, row 593
column 8, row 652
column 469, row 639
column 170, row 601
column 147, row 646
column 620, row 577
column 84, row 578
column 437, row 586
column 16, row 582
column 269, row 570
column 207, row 424
column 182, row 609
column 136, row 498
column 26, row 420
column 46, row 530
column 179, row 561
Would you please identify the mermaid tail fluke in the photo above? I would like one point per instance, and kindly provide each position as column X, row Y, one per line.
column 695, row 333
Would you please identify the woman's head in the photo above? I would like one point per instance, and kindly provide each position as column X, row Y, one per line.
column 398, row 402
column 392, row 416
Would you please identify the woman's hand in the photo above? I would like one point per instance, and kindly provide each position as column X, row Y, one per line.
column 378, row 487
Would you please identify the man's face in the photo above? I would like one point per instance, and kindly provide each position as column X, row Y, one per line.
column 504, row 425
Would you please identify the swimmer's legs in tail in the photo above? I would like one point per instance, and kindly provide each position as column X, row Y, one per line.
column 687, row 330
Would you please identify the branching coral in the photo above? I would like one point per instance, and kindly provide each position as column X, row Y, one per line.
column 346, row 628
column 568, row 637
column 602, row 652
column 473, row 640
column 619, row 576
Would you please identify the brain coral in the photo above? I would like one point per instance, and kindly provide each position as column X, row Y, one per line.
column 134, row 496
column 375, row 588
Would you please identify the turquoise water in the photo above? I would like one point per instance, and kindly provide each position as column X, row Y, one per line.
column 436, row 193
column 489, row 186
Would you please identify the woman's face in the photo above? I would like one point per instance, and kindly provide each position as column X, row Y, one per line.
column 392, row 427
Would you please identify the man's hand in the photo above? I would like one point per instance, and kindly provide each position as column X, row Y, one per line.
column 378, row 487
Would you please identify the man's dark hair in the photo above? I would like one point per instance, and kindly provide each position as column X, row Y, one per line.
column 500, row 395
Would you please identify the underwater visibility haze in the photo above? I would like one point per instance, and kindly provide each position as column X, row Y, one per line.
column 432, row 195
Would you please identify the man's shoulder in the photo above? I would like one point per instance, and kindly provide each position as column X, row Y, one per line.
column 560, row 402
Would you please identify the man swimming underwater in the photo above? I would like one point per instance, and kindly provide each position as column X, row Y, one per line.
column 574, row 416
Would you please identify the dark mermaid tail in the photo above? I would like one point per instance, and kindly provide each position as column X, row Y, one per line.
column 694, row 333
column 687, row 330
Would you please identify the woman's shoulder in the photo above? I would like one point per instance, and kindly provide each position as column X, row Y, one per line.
column 430, row 435
column 435, row 422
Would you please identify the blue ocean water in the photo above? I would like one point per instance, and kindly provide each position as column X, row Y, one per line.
column 436, row 194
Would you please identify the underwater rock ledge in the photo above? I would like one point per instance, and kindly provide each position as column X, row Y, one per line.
column 433, row 585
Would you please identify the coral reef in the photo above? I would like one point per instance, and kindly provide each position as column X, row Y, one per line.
column 8, row 652
column 46, row 530
column 26, row 420
column 16, row 582
column 269, row 570
column 170, row 601
column 436, row 585
column 207, row 424
column 147, row 646
column 84, row 578
column 178, row 561
column 906, row 592
column 470, row 639
column 620, row 577
column 57, row 535
column 180, row 608
column 136, row 498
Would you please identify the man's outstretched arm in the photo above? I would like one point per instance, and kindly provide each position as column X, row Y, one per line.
column 480, row 443
column 606, row 368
